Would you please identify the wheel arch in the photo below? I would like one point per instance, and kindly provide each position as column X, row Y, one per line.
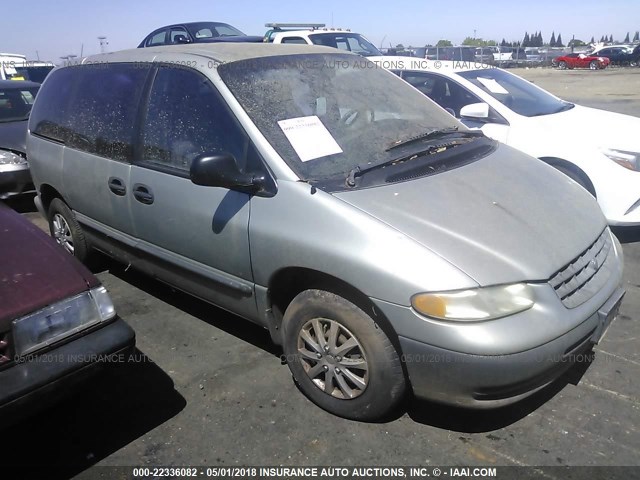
column 573, row 168
column 288, row 282
column 47, row 194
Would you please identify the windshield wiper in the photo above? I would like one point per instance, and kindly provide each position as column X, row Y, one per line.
column 433, row 134
column 360, row 170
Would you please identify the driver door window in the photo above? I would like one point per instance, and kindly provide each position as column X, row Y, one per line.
column 187, row 117
column 445, row 92
column 176, row 33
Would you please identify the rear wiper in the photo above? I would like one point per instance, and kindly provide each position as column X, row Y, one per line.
column 430, row 134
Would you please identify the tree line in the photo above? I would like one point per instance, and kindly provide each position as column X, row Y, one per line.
column 536, row 40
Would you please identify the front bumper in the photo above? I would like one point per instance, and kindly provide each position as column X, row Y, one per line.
column 14, row 179
column 52, row 372
column 491, row 381
column 493, row 363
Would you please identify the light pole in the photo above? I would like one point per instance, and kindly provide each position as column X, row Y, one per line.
column 103, row 43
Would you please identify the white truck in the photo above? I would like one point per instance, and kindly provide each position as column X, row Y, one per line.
column 319, row 34
column 14, row 66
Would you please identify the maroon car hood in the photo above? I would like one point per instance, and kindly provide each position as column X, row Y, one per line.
column 34, row 270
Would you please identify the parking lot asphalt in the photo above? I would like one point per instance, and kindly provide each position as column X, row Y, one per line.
column 209, row 388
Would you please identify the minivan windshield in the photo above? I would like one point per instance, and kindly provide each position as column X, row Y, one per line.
column 327, row 114
column 516, row 93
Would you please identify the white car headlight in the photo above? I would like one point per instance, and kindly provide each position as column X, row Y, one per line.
column 630, row 160
column 10, row 158
column 60, row 320
column 475, row 304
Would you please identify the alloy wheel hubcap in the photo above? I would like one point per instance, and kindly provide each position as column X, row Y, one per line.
column 62, row 233
column 333, row 358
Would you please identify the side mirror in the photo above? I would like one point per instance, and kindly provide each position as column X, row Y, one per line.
column 221, row 170
column 475, row 110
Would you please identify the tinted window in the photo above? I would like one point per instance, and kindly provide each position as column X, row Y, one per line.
column 187, row 117
column 445, row 92
column 92, row 108
column 346, row 41
column 298, row 40
column 48, row 117
column 34, row 74
column 177, row 32
column 157, row 39
column 15, row 103
column 212, row 29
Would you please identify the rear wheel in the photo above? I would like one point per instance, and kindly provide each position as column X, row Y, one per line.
column 340, row 358
column 66, row 231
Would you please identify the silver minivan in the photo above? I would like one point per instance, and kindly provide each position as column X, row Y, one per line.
column 386, row 247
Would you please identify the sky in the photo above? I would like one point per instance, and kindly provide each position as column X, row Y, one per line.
column 49, row 30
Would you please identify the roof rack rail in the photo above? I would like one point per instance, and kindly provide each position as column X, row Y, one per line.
column 279, row 26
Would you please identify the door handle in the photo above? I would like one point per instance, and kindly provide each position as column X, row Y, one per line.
column 143, row 194
column 116, row 185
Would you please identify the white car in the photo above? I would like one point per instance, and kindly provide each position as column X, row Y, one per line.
column 598, row 149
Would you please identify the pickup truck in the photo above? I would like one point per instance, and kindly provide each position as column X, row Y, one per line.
column 318, row 34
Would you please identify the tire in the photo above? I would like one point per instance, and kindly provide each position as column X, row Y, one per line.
column 594, row 65
column 351, row 369
column 66, row 231
column 562, row 65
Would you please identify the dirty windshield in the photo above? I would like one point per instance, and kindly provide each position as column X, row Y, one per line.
column 327, row 114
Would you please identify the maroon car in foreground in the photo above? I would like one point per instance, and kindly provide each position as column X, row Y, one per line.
column 580, row 60
column 57, row 322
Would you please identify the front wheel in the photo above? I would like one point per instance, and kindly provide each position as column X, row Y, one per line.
column 594, row 65
column 562, row 65
column 340, row 358
column 66, row 231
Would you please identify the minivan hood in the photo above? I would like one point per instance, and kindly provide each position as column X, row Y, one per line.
column 13, row 136
column 589, row 127
column 504, row 218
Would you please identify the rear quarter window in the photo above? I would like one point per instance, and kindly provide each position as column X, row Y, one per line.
column 91, row 108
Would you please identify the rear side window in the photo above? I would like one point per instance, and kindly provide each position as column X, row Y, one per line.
column 92, row 108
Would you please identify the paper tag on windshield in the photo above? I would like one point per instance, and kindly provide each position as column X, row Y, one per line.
column 492, row 85
column 309, row 137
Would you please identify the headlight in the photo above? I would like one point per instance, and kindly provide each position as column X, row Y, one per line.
column 475, row 304
column 630, row 160
column 10, row 158
column 60, row 320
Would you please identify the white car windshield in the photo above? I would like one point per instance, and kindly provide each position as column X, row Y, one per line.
column 516, row 93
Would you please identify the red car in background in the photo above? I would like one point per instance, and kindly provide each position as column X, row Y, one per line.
column 580, row 60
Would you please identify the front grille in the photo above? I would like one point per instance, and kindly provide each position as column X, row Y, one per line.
column 584, row 276
column 5, row 347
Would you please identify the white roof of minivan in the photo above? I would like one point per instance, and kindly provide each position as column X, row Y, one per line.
column 219, row 52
